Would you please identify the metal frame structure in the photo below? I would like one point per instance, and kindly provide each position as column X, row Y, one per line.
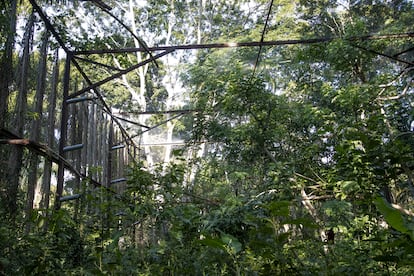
column 72, row 58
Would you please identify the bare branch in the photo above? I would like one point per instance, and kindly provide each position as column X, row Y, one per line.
column 397, row 97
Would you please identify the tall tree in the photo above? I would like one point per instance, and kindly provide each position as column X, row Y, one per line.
column 16, row 155
column 8, row 27
column 36, row 129
column 50, row 131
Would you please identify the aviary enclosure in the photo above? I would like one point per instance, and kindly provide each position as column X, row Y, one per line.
column 72, row 150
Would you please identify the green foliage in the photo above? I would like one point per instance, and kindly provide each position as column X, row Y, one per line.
column 295, row 150
column 394, row 217
column 40, row 253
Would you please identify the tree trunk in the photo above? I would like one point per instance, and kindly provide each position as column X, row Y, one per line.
column 50, row 132
column 35, row 128
column 16, row 155
column 142, row 71
column 6, row 63
column 197, row 151
column 6, row 77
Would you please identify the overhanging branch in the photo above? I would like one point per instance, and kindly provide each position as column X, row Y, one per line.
column 45, row 151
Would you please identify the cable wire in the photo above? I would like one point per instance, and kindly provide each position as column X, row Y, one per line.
column 262, row 38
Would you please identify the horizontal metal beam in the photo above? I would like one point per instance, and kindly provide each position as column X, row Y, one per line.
column 72, row 147
column 245, row 44
column 117, row 147
column 79, row 99
column 119, row 180
column 180, row 143
column 159, row 112
column 70, row 197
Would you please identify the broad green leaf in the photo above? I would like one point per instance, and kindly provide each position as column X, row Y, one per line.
column 393, row 217
column 227, row 243
column 212, row 242
column 232, row 242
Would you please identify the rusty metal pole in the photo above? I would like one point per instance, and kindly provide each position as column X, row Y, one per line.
column 63, row 131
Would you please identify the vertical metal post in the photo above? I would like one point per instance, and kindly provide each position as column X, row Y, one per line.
column 110, row 152
column 63, row 131
column 107, row 183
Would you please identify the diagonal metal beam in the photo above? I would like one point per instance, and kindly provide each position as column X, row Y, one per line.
column 151, row 128
column 262, row 38
column 107, row 9
column 131, row 122
column 403, row 52
column 106, row 108
column 99, row 63
column 87, row 79
column 159, row 124
column 119, row 74
column 155, row 126
column 141, row 42
column 49, row 25
column 382, row 54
